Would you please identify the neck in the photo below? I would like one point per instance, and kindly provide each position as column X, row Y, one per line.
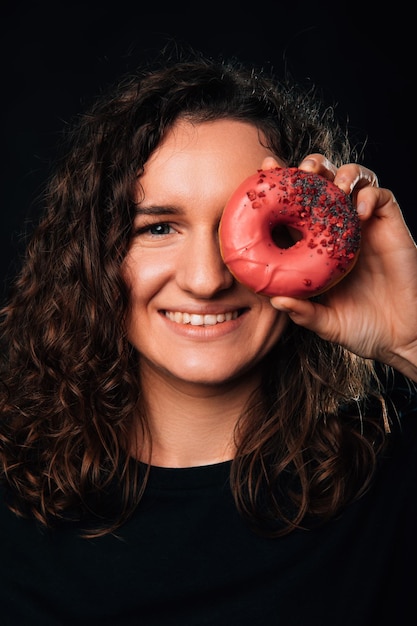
column 190, row 425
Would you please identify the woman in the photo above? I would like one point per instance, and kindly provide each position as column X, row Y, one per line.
column 178, row 449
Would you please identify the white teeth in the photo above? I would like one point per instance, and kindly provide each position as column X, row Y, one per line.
column 200, row 320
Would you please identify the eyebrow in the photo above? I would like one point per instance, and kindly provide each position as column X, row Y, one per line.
column 158, row 210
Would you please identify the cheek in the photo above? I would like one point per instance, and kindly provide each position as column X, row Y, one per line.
column 144, row 274
column 273, row 323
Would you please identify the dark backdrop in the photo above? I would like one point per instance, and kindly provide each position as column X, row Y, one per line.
column 57, row 56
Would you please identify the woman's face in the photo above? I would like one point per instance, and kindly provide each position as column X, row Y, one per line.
column 190, row 320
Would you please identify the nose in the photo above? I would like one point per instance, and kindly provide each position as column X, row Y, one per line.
column 202, row 270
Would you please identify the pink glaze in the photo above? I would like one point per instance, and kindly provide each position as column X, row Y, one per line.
column 327, row 226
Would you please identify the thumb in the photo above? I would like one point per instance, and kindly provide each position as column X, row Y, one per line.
column 307, row 313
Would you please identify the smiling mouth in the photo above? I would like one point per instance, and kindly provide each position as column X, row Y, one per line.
column 201, row 320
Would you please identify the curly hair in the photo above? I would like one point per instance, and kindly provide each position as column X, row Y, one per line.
column 70, row 392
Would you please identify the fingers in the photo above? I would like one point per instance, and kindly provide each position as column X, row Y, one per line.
column 270, row 163
column 375, row 199
column 307, row 313
column 361, row 182
column 350, row 177
column 318, row 164
column 382, row 220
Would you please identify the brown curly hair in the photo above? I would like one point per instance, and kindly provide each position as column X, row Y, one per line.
column 70, row 389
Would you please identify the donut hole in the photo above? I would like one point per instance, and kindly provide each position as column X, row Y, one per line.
column 285, row 236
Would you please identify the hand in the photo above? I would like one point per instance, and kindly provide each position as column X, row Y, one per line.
column 373, row 310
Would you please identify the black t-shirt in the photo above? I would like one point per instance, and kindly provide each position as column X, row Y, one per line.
column 186, row 558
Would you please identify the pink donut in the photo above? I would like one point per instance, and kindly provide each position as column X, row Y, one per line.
column 287, row 232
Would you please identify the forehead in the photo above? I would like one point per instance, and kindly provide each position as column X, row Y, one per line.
column 192, row 154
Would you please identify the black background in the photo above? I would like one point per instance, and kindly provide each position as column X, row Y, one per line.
column 56, row 57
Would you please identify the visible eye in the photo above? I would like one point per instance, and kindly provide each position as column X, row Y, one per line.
column 160, row 229
column 155, row 230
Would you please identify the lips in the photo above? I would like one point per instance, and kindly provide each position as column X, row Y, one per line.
column 195, row 319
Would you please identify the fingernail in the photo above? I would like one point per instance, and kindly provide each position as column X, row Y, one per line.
column 361, row 208
column 307, row 164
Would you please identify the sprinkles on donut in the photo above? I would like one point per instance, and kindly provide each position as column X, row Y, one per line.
column 288, row 232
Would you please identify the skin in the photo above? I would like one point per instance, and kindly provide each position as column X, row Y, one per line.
column 174, row 265
column 373, row 312
column 196, row 378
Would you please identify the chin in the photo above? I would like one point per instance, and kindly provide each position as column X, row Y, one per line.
column 215, row 377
